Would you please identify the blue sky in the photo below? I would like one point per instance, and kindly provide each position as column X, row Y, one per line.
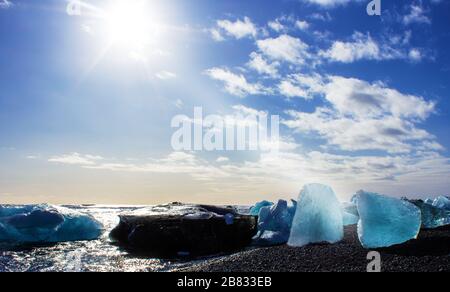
column 86, row 101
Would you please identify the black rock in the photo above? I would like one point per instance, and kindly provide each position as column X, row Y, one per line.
column 169, row 235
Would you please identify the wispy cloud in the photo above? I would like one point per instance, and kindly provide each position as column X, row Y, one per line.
column 330, row 3
column 76, row 159
column 5, row 4
column 301, row 85
column 165, row 75
column 286, row 171
column 326, row 17
column 285, row 48
column 262, row 66
column 236, row 84
column 276, row 25
column 286, row 23
column 302, row 24
column 417, row 14
column 237, row 29
column 361, row 47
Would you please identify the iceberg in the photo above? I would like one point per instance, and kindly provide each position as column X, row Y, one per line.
column 229, row 219
column 350, row 214
column 432, row 217
column 429, row 201
column 254, row 211
column 274, row 223
column 354, row 199
column 442, row 202
column 45, row 224
column 386, row 221
column 318, row 217
column 350, row 208
column 349, row 219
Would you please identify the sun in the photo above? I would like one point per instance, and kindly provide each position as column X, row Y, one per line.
column 130, row 23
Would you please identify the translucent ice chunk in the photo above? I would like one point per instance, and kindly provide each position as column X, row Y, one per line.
column 350, row 219
column 255, row 209
column 429, row 201
column 442, row 202
column 274, row 223
column 318, row 217
column 45, row 224
column 432, row 217
column 350, row 214
column 386, row 221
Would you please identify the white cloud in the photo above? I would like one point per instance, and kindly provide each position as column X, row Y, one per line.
column 174, row 163
column 360, row 47
column 276, row 25
column 285, row 48
column 32, row 157
column 180, row 157
column 389, row 133
column 321, row 17
column 400, row 39
column 222, row 159
column 260, row 65
column 302, row 25
column 288, row 89
column 178, row 103
column 364, row 47
column 284, row 172
column 5, row 4
column 415, row 55
column 238, row 29
column 216, row 35
column 235, row 84
column 165, row 75
column 416, row 15
column 287, row 167
column 300, row 85
column 350, row 96
column 364, row 116
column 330, row 3
column 76, row 159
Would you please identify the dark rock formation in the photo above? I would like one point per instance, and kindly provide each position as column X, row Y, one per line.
column 204, row 230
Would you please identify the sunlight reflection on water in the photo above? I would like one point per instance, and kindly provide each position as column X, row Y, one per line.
column 98, row 255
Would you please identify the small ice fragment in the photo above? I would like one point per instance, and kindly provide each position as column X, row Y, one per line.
column 432, row 217
column 270, row 238
column 428, row 201
column 255, row 209
column 350, row 214
column 199, row 216
column 229, row 219
column 442, row 202
column 350, row 219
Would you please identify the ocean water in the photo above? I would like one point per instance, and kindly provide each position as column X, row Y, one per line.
column 85, row 256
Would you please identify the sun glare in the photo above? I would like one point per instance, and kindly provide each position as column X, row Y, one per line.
column 131, row 23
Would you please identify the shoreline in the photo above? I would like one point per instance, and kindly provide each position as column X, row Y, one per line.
column 429, row 253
